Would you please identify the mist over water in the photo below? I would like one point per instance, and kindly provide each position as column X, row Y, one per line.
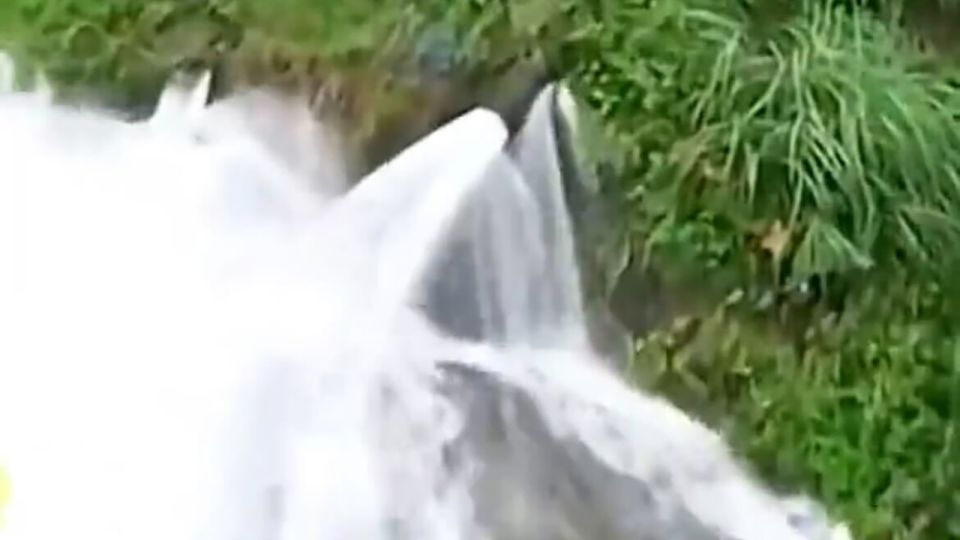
column 207, row 334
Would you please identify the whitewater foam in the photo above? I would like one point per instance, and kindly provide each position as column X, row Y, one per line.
column 204, row 335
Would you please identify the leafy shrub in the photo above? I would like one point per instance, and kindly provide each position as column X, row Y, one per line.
column 119, row 44
column 863, row 412
column 121, row 50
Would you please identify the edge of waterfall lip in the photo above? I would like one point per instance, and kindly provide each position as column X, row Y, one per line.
column 481, row 120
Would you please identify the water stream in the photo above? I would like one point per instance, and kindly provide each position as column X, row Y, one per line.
column 207, row 334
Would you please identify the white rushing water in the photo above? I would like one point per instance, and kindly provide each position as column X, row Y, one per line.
column 205, row 335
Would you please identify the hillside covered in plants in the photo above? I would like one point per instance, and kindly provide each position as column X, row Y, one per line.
column 784, row 177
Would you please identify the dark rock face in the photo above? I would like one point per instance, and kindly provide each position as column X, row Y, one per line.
column 528, row 484
column 642, row 301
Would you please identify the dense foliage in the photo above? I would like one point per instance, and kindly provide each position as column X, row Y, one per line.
column 795, row 164
column 862, row 411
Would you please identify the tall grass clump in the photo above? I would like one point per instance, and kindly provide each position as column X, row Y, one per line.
column 819, row 140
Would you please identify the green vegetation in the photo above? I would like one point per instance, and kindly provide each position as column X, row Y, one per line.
column 861, row 412
column 805, row 156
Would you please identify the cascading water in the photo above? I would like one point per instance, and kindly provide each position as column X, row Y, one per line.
column 204, row 335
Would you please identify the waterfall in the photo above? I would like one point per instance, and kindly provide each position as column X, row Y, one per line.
column 205, row 334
